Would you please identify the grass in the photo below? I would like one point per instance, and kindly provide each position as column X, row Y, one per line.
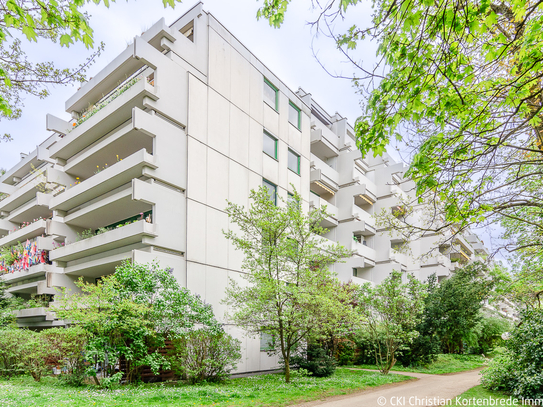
column 480, row 393
column 446, row 363
column 267, row 390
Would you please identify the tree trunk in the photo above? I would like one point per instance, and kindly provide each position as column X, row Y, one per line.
column 287, row 370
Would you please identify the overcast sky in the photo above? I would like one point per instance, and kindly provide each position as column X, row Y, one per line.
column 287, row 52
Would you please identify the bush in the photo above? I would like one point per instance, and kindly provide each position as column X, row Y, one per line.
column 204, row 355
column 68, row 345
column 421, row 352
column 10, row 339
column 499, row 375
column 520, row 370
column 345, row 352
column 488, row 334
column 316, row 361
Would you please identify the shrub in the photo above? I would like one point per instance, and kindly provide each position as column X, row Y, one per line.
column 345, row 352
column 520, row 370
column 204, row 355
column 10, row 339
column 68, row 346
column 500, row 373
column 316, row 361
column 488, row 334
column 421, row 352
column 365, row 349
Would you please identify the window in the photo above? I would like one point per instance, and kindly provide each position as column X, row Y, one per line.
column 355, row 272
column 271, row 94
column 294, row 115
column 270, row 145
column 293, row 161
column 272, row 190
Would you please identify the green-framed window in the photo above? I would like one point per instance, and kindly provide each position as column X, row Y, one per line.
column 294, row 115
column 272, row 189
column 269, row 144
column 293, row 161
column 271, row 94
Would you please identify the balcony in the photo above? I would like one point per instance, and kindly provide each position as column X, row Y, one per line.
column 34, row 209
column 352, row 167
column 35, row 229
column 362, row 195
column 436, row 260
column 330, row 221
column 38, row 270
column 323, row 178
column 398, row 257
column 324, row 143
column 364, row 251
column 112, row 177
column 113, row 239
column 127, row 139
column 108, row 118
column 21, row 195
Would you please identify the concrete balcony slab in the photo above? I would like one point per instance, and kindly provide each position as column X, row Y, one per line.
column 112, row 177
column 113, row 239
column 104, row 121
column 28, row 232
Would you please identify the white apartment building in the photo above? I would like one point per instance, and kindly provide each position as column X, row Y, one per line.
column 183, row 120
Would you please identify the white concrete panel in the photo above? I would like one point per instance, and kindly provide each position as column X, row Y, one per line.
column 219, row 64
column 165, row 261
column 304, row 174
column 294, row 179
column 216, row 282
column 255, row 146
column 217, row 179
column 283, row 162
column 255, row 181
column 256, row 98
column 235, row 256
column 239, row 334
column 295, row 138
column 196, row 230
column 270, row 169
column 197, row 170
column 240, row 86
column 196, row 278
column 239, row 136
column 271, row 120
column 238, row 191
column 218, row 122
column 197, row 118
column 216, row 243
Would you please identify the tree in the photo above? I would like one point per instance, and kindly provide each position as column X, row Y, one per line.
column 461, row 83
column 453, row 308
column 290, row 295
column 393, row 310
column 129, row 315
column 59, row 21
column 519, row 370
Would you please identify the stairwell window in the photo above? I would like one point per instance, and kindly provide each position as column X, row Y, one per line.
column 271, row 94
column 293, row 161
column 272, row 190
column 294, row 115
column 269, row 145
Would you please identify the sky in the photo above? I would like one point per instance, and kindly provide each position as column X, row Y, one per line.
column 288, row 52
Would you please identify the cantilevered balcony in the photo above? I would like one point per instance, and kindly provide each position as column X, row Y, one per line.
column 35, row 271
column 123, row 236
column 324, row 179
column 352, row 167
column 324, row 143
column 114, row 114
column 110, row 178
column 364, row 251
column 317, row 202
column 33, row 209
column 398, row 257
column 33, row 230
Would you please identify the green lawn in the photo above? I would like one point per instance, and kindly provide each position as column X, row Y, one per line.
column 480, row 393
column 267, row 390
column 444, row 364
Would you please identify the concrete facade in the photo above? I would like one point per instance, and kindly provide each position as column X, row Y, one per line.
column 160, row 139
